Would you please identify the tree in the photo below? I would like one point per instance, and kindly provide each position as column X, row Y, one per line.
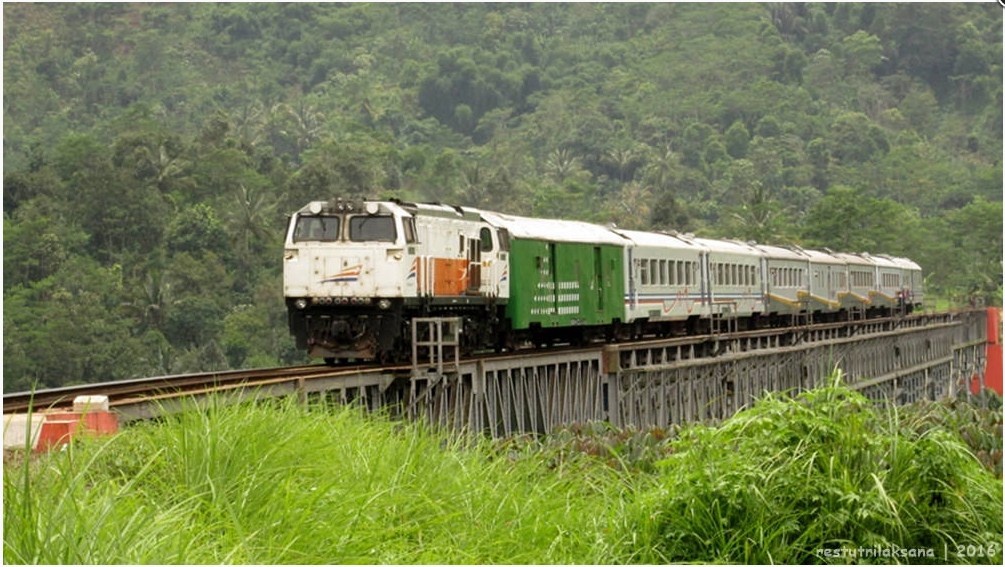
column 67, row 329
column 737, row 140
column 846, row 219
column 37, row 245
column 971, row 261
column 862, row 52
column 350, row 169
column 252, row 223
column 855, row 139
column 197, row 229
column 119, row 216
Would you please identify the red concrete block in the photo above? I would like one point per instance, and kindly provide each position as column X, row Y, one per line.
column 96, row 422
column 56, row 433
column 60, row 427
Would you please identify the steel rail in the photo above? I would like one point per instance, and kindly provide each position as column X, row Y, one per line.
column 142, row 387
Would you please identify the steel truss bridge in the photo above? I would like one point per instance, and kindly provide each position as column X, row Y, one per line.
column 653, row 383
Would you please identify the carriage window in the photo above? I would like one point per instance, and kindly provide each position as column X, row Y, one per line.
column 316, row 229
column 644, row 272
column 372, row 228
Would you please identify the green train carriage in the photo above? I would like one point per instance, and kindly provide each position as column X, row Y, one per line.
column 567, row 279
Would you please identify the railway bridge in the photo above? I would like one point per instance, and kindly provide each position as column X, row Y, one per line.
column 708, row 378
column 653, row 383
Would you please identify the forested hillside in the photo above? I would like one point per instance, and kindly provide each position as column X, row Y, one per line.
column 152, row 152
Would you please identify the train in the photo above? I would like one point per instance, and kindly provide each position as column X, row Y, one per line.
column 356, row 272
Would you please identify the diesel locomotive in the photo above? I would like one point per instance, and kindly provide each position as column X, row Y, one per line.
column 355, row 273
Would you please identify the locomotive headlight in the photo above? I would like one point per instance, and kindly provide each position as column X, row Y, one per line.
column 384, row 304
column 315, row 207
column 300, row 303
column 372, row 208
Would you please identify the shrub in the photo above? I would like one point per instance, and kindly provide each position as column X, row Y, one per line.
column 827, row 470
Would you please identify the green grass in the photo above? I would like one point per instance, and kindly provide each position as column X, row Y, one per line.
column 277, row 483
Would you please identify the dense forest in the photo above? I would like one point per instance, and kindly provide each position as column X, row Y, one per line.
column 152, row 152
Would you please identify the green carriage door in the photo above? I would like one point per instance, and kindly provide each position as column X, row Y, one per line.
column 598, row 271
column 545, row 306
column 552, row 285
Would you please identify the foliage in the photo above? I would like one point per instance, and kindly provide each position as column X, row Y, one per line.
column 136, row 134
column 977, row 419
column 786, row 479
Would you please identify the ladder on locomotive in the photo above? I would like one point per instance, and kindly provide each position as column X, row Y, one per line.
column 436, row 344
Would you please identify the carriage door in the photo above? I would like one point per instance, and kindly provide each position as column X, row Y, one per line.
column 598, row 273
column 490, row 267
column 475, row 265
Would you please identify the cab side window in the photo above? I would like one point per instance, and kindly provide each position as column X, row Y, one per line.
column 485, row 236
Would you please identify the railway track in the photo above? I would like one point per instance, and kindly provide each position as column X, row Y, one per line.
column 164, row 387
column 127, row 393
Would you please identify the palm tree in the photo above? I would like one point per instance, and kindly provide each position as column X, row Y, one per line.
column 151, row 301
column 560, row 164
column 250, row 221
column 300, row 125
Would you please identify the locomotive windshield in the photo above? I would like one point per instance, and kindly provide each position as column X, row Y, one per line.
column 317, row 229
column 372, row 228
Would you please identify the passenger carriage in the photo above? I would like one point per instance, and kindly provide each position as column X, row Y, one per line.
column 733, row 278
column 663, row 281
column 786, row 289
column 827, row 275
column 912, row 289
column 857, row 297
column 889, row 276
